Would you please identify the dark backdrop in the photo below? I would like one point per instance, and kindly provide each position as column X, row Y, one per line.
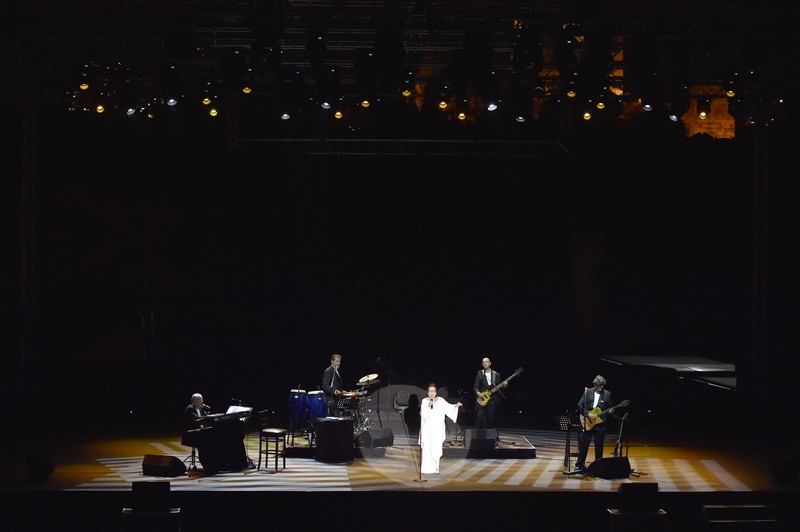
column 165, row 264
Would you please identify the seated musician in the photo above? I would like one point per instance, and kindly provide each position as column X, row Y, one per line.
column 194, row 411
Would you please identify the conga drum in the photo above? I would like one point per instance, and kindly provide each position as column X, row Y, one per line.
column 317, row 407
column 298, row 402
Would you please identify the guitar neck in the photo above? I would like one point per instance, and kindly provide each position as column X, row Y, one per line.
column 497, row 387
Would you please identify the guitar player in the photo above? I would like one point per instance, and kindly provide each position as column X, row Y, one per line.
column 485, row 380
column 594, row 407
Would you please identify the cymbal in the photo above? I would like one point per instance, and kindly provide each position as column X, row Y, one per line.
column 369, row 383
column 368, row 378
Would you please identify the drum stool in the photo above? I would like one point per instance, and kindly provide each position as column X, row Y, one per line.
column 272, row 442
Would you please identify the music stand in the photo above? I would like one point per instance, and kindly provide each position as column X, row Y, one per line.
column 568, row 423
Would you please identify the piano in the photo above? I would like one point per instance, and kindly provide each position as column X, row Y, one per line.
column 211, row 419
column 219, row 439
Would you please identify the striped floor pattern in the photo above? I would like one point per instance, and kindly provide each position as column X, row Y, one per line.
column 397, row 470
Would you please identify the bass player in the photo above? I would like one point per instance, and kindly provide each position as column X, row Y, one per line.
column 485, row 380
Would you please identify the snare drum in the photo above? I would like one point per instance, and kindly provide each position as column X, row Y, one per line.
column 297, row 407
column 317, row 406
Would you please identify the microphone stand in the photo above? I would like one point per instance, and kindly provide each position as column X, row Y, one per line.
column 417, row 467
column 389, row 374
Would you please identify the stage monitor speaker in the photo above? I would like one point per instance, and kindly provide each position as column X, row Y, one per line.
column 39, row 468
column 480, row 438
column 159, row 465
column 376, row 438
column 608, row 468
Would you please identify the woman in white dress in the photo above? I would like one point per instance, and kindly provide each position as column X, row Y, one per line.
column 432, row 411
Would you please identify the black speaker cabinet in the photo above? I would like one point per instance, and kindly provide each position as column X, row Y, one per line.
column 376, row 438
column 480, row 438
column 159, row 465
column 608, row 468
column 334, row 440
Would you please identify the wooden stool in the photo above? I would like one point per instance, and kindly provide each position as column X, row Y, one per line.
column 272, row 441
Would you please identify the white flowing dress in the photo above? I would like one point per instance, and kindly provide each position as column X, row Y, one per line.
column 432, row 431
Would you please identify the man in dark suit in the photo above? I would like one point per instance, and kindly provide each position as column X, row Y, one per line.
column 332, row 385
column 485, row 380
column 594, row 407
column 194, row 411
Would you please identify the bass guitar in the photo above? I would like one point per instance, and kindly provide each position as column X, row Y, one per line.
column 593, row 417
column 484, row 397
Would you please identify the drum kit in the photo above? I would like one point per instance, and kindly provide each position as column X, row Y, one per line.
column 356, row 405
column 352, row 404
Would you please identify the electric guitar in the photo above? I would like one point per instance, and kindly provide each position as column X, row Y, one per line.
column 484, row 397
column 588, row 422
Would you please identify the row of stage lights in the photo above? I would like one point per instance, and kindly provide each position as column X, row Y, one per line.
column 114, row 90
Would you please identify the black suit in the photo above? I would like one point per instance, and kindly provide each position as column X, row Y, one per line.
column 597, row 433
column 192, row 414
column 486, row 417
column 331, row 382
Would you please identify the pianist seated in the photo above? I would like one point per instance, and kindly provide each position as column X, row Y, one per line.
column 194, row 411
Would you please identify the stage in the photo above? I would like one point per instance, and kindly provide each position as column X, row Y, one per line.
column 523, row 476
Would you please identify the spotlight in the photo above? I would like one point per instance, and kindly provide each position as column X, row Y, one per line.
column 703, row 108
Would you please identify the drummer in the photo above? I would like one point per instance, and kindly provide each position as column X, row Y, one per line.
column 332, row 385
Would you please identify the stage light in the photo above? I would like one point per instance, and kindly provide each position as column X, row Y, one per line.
column 365, row 103
column 285, row 116
column 492, row 106
column 442, row 105
column 703, row 108
column 213, row 111
column 587, row 115
column 338, row 115
column 325, row 105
